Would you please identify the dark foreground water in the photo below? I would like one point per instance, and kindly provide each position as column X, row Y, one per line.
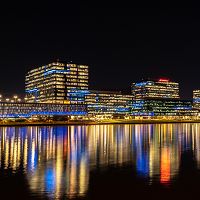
column 100, row 162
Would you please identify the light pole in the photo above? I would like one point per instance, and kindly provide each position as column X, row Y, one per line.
column 15, row 97
column 7, row 100
column 25, row 99
column 19, row 100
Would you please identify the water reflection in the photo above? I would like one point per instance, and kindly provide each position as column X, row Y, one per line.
column 57, row 161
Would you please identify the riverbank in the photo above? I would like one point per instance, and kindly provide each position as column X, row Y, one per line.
column 95, row 122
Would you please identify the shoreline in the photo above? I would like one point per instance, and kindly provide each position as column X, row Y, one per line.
column 103, row 122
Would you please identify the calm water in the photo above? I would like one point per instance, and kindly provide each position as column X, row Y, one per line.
column 100, row 162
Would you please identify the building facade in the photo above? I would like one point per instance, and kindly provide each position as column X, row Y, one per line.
column 161, row 108
column 57, row 82
column 196, row 99
column 156, row 88
column 107, row 102
column 9, row 110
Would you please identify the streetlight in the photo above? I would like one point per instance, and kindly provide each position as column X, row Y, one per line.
column 12, row 101
column 15, row 97
column 7, row 100
column 19, row 100
column 25, row 99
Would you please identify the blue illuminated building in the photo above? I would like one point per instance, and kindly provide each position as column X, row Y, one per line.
column 161, row 107
column 34, row 109
column 107, row 102
column 57, row 82
column 196, row 99
column 156, row 88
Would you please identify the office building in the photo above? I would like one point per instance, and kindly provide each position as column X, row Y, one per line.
column 8, row 110
column 196, row 99
column 107, row 102
column 57, row 82
column 159, row 88
column 162, row 108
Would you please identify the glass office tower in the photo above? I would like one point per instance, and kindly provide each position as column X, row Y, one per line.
column 57, row 82
column 196, row 98
column 159, row 88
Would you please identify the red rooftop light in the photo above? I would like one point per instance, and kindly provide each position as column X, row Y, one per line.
column 164, row 80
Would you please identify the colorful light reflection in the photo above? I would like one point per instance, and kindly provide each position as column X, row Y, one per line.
column 58, row 161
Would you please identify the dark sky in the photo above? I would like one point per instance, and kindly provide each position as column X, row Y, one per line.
column 121, row 43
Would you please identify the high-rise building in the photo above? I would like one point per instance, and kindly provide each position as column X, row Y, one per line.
column 160, row 88
column 196, row 98
column 57, row 82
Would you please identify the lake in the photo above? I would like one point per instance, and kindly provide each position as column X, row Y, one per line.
column 159, row 161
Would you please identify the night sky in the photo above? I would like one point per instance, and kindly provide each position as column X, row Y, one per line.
column 121, row 43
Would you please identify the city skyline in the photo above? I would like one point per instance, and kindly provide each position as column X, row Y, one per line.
column 39, row 70
column 127, row 90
